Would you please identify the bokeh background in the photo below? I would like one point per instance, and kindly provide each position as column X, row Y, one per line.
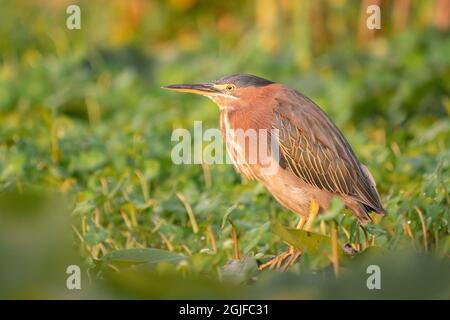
column 85, row 139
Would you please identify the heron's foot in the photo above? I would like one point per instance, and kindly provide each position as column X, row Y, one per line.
column 283, row 261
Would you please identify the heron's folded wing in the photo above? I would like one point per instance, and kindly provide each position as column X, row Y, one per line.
column 314, row 149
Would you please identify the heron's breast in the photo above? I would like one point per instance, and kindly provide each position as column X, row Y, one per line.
column 236, row 148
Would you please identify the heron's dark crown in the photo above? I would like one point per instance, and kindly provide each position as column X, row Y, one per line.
column 244, row 80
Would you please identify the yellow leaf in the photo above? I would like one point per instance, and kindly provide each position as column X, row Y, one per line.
column 310, row 242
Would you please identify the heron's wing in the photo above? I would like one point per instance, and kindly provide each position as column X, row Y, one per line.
column 314, row 149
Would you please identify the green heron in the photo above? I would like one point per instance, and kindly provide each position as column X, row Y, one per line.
column 314, row 160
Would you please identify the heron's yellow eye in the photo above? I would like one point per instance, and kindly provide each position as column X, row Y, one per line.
column 230, row 87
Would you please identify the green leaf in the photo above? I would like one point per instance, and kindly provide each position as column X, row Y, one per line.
column 14, row 167
column 375, row 229
column 96, row 235
column 149, row 256
column 83, row 207
column 444, row 246
column 87, row 161
column 255, row 236
column 239, row 271
column 227, row 214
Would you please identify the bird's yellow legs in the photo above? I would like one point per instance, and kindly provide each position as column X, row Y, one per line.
column 286, row 259
column 313, row 212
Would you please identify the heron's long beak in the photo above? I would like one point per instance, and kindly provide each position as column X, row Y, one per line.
column 201, row 88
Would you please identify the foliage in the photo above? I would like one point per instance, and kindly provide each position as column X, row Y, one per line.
column 83, row 117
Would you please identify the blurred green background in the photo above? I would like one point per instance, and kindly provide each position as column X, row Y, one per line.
column 85, row 142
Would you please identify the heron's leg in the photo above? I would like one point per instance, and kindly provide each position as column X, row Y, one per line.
column 305, row 224
column 288, row 258
column 313, row 212
column 299, row 226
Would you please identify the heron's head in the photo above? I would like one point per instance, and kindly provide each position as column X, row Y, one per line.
column 229, row 91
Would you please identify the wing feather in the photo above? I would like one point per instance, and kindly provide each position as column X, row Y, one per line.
column 316, row 151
